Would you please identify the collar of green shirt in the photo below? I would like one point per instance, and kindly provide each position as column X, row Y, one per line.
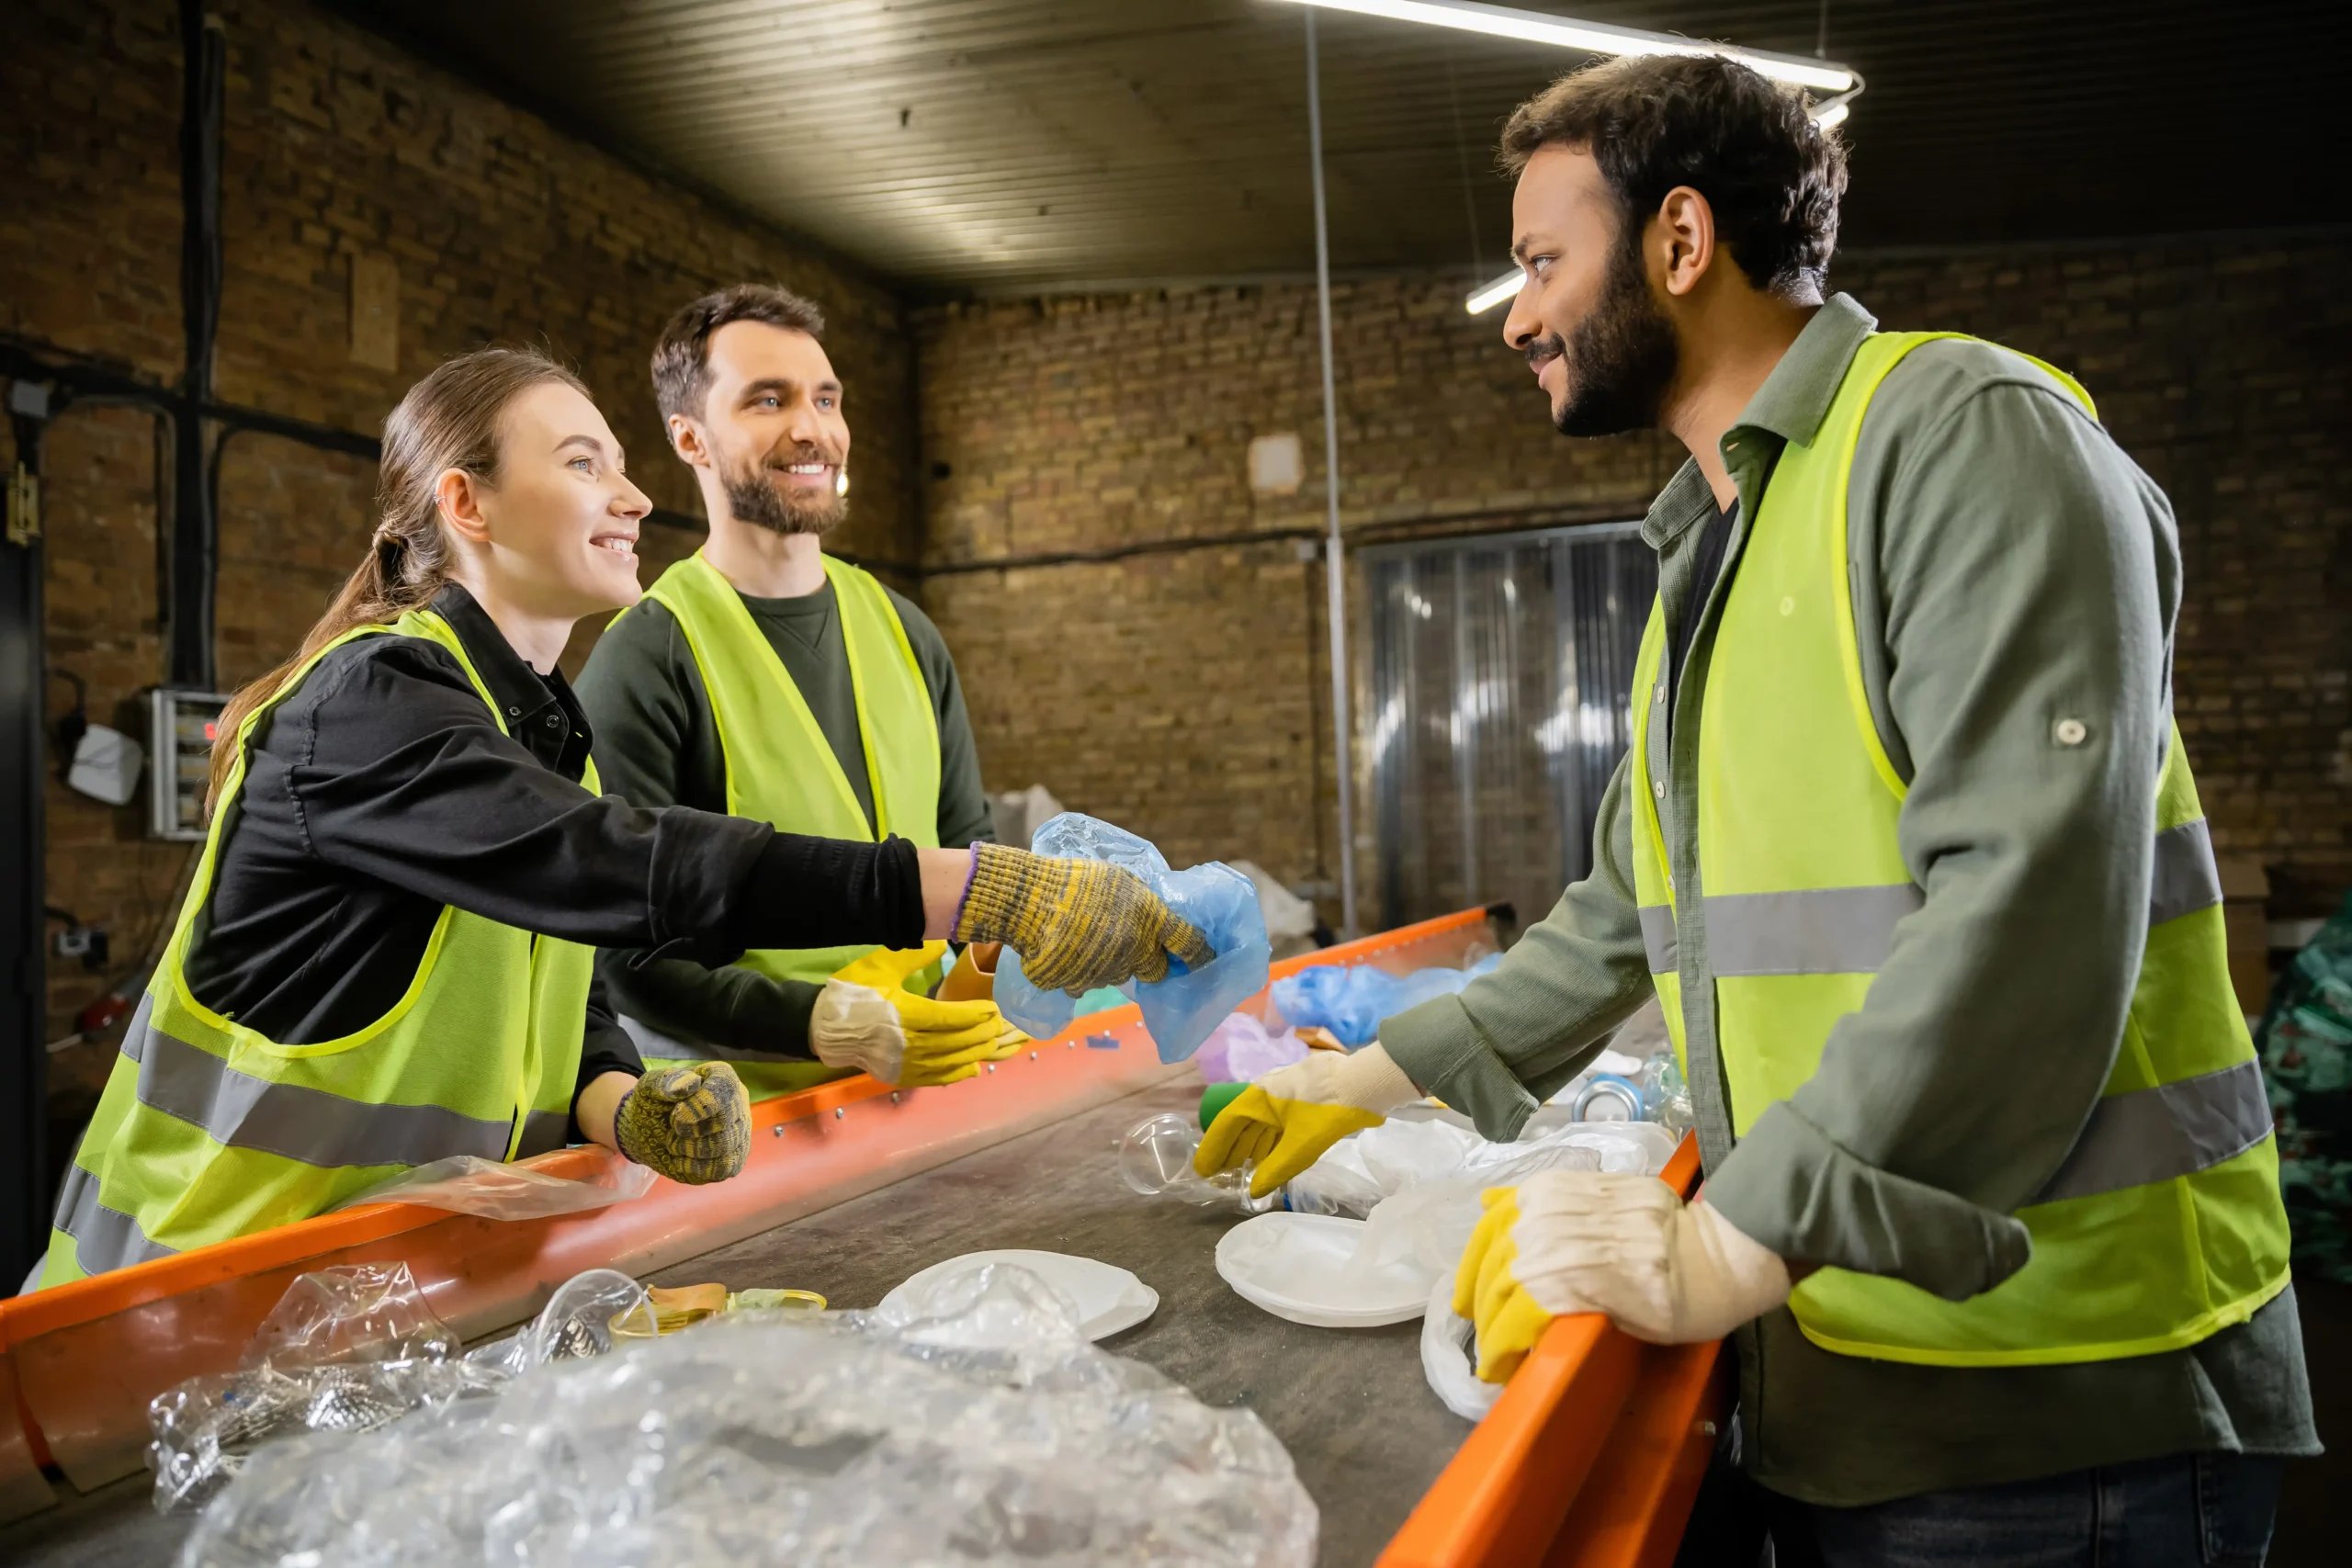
column 1788, row 406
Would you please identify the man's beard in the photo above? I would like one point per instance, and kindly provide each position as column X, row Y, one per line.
column 1622, row 358
column 754, row 496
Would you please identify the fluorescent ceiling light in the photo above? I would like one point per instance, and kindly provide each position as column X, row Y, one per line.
column 1595, row 38
column 1486, row 296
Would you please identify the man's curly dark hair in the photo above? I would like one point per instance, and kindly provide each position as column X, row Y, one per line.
column 1652, row 122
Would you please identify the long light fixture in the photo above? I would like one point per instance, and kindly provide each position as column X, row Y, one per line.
column 1599, row 38
column 1486, row 296
column 1593, row 38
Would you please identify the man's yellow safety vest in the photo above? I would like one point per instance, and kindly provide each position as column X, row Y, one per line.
column 208, row 1130
column 2165, row 1223
column 781, row 770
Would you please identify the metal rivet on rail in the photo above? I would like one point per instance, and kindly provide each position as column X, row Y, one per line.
column 894, row 1096
column 777, row 1129
column 840, row 1112
column 991, row 1066
column 1032, row 1055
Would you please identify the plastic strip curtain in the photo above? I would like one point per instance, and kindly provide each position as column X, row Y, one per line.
column 1500, row 676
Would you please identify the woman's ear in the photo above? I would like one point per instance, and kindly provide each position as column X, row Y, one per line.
column 460, row 496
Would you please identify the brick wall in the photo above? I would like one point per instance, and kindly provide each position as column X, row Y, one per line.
column 1181, row 694
column 338, row 146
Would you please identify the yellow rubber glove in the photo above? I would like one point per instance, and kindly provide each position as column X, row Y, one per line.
column 866, row 1018
column 1508, row 1320
column 1286, row 1119
column 1076, row 924
column 1564, row 1241
column 693, row 1125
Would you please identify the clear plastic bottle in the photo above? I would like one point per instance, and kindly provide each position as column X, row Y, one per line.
column 1155, row 1160
column 1666, row 1099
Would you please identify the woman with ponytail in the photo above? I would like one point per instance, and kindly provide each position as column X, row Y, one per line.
column 386, row 954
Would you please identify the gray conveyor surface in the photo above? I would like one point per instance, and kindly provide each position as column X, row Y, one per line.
column 1351, row 1405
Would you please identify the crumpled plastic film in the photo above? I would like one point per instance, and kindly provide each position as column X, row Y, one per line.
column 978, row 1428
column 1182, row 1010
column 347, row 1350
column 1450, row 1355
column 1242, row 1049
column 1351, row 999
column 1363, row 1169
column 469, row 1184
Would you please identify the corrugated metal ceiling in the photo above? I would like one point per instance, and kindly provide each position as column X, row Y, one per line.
column 996, row 145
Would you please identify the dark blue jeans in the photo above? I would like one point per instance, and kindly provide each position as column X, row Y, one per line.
column 2188, row 1511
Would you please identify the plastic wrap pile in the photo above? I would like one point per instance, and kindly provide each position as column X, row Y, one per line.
column 972, row 1424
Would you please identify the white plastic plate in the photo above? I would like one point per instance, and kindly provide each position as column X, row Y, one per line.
column 1296, row 1266
column 1109, row 1299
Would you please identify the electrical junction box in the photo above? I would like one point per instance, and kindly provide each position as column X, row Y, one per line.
column 181, row 727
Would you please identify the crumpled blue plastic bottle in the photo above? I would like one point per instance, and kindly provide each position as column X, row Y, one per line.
column 1183, row 1009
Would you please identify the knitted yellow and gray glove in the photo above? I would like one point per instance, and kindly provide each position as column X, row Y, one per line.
column 1076, row 923
column 692, row 1124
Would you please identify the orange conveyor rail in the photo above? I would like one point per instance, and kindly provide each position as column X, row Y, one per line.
column 1597, row 1445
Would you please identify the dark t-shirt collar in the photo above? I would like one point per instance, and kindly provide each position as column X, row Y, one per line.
column 539, row 710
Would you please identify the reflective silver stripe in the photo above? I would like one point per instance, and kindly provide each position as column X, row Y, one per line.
column 542, row 1131
column 2155, row 1135
column 1658, row 935
column 103, row 1238
column 2185, row 878
column 134, row 1037
column 1816, row 930
column 300, row 1123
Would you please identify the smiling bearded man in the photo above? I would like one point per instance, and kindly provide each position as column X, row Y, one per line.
column 761, row 678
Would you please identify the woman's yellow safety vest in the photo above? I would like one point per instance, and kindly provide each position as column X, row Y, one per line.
column 2165, row 1223
column 208, row 1130
column 781, row 770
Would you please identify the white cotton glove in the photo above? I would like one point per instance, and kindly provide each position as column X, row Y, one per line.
column 1667, row 1271
column 866, row 1018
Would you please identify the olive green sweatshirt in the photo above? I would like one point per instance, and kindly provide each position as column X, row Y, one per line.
column 2012, row 567
column 657, row 744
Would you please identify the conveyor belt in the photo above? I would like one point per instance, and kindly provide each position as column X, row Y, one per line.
column 854, row 1192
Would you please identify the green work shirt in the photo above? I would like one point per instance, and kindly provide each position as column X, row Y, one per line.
column 2011, row 565
column 657, row 744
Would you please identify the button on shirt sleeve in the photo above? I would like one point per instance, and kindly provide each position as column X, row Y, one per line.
column 2027, row 573
column 1513, row 1037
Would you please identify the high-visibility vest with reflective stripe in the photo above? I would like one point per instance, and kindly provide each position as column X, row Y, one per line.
column 208, row 1130
column 781, row 770
column 2165, row 1223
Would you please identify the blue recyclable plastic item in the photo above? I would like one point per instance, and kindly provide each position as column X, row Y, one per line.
column 1351, row 999
column 1185, row 1009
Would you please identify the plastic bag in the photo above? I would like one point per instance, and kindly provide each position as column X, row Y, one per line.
column 1449, row 1355
column 349, row 1348
column 469, row 1184
column 1182, row 1010
column 980, row 1428
column 1364, row 1168
column 1241, row 1049
column 1351, row 999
